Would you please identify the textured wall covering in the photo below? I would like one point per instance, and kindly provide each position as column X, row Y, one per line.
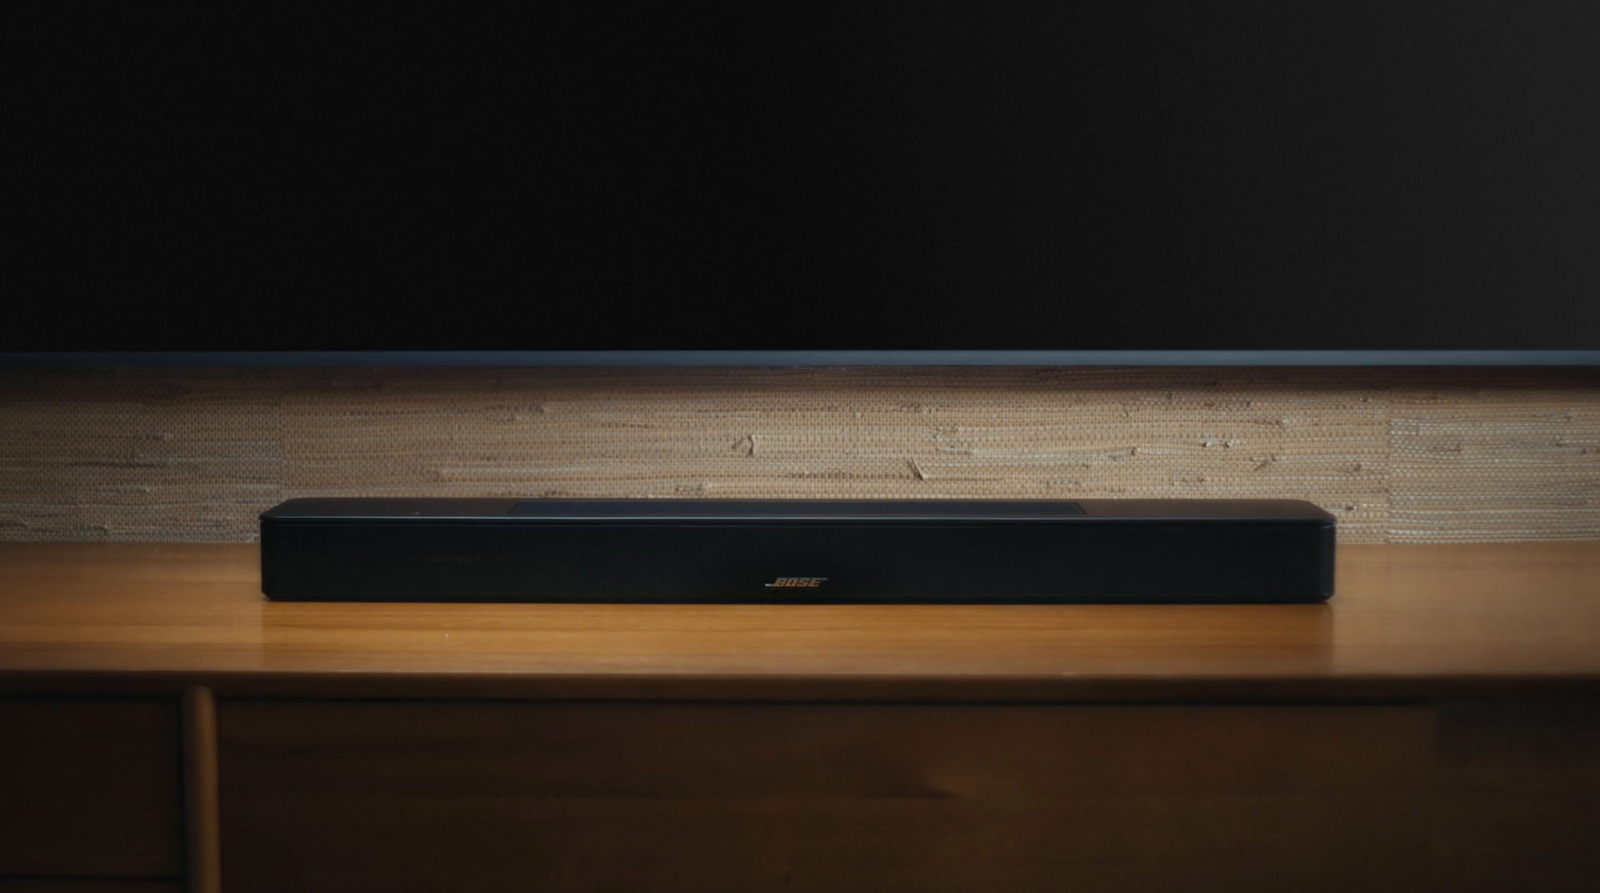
column 1398, row 455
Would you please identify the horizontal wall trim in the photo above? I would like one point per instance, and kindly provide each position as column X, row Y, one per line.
column 504, row 358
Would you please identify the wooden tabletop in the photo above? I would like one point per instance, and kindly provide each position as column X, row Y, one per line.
column 1409, row 621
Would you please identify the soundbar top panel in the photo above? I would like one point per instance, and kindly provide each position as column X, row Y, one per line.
column 367, row 509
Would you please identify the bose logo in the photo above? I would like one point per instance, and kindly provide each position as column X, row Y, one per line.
column 796, row 583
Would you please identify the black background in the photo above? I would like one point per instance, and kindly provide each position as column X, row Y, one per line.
column 1399, row 175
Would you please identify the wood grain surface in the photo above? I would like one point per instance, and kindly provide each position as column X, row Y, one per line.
column 420, row 796
column 90, row 788
column 1400, row 455
column 86, row 885
column 1407, row 621
column 200, row 791
column 1516, row 795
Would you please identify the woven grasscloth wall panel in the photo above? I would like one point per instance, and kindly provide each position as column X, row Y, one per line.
column 1398, row 455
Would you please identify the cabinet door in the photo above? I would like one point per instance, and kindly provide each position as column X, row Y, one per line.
column 90, row 788
column 1517, row 795
column 738, row 797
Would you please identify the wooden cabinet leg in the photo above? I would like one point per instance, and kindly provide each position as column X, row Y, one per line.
column 200, row 788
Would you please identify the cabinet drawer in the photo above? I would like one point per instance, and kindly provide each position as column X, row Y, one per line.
column 90, row 788
column 704, row 797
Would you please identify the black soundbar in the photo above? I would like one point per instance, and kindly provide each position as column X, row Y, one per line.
column 868, row 551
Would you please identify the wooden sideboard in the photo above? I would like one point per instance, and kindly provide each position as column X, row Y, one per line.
column 162, row 727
